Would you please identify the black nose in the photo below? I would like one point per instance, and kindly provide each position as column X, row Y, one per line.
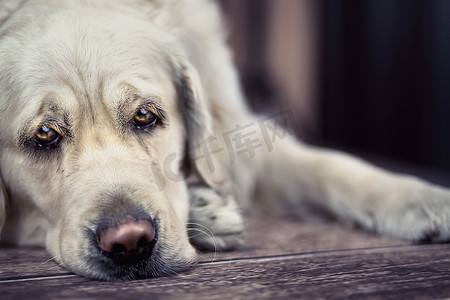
column 129, row 242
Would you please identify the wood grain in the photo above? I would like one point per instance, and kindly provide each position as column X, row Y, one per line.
column 394, row 272
column 272, row 236
column 286, row 260
column 279, row 237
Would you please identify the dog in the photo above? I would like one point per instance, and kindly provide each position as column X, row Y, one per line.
column 125, row 141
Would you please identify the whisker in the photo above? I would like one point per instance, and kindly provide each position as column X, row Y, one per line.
column 206, row 231
column 51, row 259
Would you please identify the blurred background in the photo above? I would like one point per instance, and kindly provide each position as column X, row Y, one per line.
column 371, row 77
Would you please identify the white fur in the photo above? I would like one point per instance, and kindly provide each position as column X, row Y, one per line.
column 86, row 63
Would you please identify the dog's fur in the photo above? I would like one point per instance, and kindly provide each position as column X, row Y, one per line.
column 83, row 68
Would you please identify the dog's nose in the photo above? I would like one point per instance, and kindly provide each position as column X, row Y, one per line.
column 128, row 242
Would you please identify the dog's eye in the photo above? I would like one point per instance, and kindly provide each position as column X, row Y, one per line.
column 46, row 136
column 144, row 118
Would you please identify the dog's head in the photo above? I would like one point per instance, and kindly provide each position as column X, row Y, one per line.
column 96, row 114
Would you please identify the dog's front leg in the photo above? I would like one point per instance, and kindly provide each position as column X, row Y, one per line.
column 305, row 179
column 215, row 221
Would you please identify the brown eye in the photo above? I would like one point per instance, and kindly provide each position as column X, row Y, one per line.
column 45, row 136
column 144, row 118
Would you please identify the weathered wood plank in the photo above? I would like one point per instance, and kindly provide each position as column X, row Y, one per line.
column 26, row 262
column 277, row 237
column 272, row 236
column 415, row 272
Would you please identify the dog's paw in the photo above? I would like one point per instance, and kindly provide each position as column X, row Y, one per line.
column 425, row 219
column 436, row 228
column 215, row 221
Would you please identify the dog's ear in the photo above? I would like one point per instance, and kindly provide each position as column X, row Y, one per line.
column 198, row 120
column 7, row 8
column 3, row 198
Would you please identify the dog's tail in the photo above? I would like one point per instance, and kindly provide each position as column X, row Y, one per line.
column 301, row 180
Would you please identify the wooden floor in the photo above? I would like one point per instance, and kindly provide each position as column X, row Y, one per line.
column 282, row 259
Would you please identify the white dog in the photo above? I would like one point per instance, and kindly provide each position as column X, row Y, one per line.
column 123, row 129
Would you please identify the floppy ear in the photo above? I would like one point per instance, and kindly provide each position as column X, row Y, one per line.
column 7, row 8
column 198, row 120
column 3, row 196
column 196, row 112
